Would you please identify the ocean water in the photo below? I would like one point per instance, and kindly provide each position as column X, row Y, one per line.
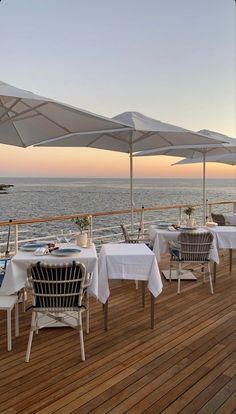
column 44, row 197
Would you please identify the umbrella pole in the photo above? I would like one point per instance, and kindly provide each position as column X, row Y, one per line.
column 204, row 188
column 8, row 243
column 131, row 181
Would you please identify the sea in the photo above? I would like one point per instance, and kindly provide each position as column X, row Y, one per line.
column 45, row 197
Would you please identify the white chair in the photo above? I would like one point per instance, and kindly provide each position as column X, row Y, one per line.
column 58, row 292
column 8, row 303
column 192, row 248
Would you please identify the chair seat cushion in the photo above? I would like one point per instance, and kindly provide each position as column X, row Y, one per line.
column 2, row 274
column 175, row 252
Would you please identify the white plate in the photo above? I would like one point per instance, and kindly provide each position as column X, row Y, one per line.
column 164, row 225
column 31, row 247
column 65, row 252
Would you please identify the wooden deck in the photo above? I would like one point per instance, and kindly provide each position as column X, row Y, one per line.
column 184, row 365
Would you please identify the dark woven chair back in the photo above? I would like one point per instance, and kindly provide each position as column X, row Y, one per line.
column 218, row 218
column 58, row 287
column 195, row 247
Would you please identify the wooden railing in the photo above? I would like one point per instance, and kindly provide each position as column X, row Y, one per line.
column 179, row 207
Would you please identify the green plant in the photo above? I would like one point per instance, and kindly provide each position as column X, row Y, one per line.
column 82, row 222
column 189, row 211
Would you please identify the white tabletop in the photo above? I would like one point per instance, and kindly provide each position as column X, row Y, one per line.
column 225, row 237
column 16, row 273
column 127, row 261
column 162, row 237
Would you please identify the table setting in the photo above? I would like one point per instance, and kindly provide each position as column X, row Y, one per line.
column 50, row 252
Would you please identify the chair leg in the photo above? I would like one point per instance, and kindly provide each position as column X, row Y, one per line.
column 179, row 277
column 81, row 337
column 230, row 259
column 203, row 270
column 9, row 342
column 210, row 278
column 143, row 293
column 17, row 319
column 36, row 323
column 170, row 273
column 87, row 312
column 32, row 328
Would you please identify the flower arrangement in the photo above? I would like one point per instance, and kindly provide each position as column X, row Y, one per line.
column 82, row 222
column 189, row 211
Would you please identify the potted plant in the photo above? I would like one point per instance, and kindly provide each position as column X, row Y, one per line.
column 189, row 211
column 83, row 224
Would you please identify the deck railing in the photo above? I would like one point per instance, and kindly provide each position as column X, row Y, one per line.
column 98, row 234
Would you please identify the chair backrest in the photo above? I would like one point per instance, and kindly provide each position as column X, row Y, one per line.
column 130, row 238
column 58, row 286
column 195, row 247
column 218, row 218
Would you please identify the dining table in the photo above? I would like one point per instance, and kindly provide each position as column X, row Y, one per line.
column 128, row 261
column 16, row 272
column 224, row 237
column 161, row 238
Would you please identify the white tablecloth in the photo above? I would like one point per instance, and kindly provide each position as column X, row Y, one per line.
column 16, row 273
column 162, row 237
column 127, row 261
column 230, row 219
column 225, row 237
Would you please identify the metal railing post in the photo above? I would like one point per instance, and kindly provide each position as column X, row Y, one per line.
column 16, row 238
column 210, row 210
column 91, row 228
column 180, row 215
column 142, row 220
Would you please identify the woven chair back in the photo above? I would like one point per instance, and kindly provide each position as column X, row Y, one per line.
column 130, row 238
column 218, row 218
column 58, row 287
column 195, row 247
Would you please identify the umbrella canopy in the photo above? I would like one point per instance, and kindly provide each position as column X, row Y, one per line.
column 145, row 133
column 223, row 145
column 224, row 158
column 27, row 119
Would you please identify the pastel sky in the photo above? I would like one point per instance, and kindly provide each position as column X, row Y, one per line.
column 171, row 60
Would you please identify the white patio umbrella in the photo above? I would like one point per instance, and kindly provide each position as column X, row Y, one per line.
column 27, row 119
column 223, row 145
column 224, row 158
column 145, row 133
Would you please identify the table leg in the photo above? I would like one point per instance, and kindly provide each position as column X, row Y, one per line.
column 152, row 310
column 143, row 293
column 106, row 315
column 230, row 259
column 214, row 272
column 9, row 344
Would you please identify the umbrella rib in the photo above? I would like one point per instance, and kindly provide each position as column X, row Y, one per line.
column 13, row 118
column 108, row 135
column 18, row 134
column 10, row 107
column 50, row 120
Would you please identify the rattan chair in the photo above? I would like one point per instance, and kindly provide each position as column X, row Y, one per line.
column 192, row 248
column 219, row 219
column 58, row 292
column 136, row 237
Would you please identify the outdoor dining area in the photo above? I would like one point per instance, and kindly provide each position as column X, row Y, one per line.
column 191, row 337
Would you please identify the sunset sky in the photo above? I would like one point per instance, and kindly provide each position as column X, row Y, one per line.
column 171, row 60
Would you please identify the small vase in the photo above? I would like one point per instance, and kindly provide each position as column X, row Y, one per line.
column 190, row 222
column 82, row 240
